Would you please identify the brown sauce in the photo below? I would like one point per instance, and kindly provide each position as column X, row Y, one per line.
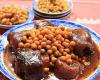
column 94, row 59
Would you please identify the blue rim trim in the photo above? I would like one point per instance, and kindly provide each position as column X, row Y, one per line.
column 3, row 39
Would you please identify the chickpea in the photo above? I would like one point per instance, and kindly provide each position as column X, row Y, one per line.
column 58, row 37
column 46, row 36
column 60, row 54
column 59, row 46
column 56, row 43
column 49, row 52
column 43, row 44
column 46, row 70
column 69, row 33
column 63, row 58
column 20, row 44
column 42, row 50
column 52, row 30
column 73, row 56
column 66, row 40
column 63, row 33
column 42, row 32
column 67, row 50
column 8, row 15
column 54, row 48
column 37, row 42
column 62, row 28
column 54, row 40
column 50, row 36
column 44, row 39
column 28, row 33
column 48, row 47
column 40, row 37
column 48, row 42
column 36, row 39
column 13, row 19
column 65, row 53
column 30, row 41
column 33, row 35
column 62, row 39
column 68, row 56
column 24, row 38
column 57, row 32
column 69, row 61
column 72, row 43
column 30, row 38
column 65, row 44
column 33, row 46
column 27, row 45
column 39, row 47
column 4, row 21
column 61, row 50
column 53, row 59
column 65, row 36
column 57, row 53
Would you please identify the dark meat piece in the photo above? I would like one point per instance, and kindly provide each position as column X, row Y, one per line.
column 66, row 72
column 84, row 42
column 42, row 23
column 14, row 38
column 28, row 64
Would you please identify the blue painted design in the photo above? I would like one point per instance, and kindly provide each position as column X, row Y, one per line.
column 3, row 41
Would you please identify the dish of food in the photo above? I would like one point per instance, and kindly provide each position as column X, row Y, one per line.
column 49, row 5
column 53, row 6
column 50, row 51
column 11, row 15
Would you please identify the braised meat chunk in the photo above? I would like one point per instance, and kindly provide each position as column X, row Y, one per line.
column 65, row 71
column 14, row 38
column 42, row 23
column 28, row 64
column 84, row 42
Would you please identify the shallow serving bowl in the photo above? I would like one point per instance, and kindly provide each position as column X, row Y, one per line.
column 30, row 18
column 51, row 15
column 4, row 42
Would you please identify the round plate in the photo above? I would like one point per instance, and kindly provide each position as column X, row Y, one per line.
column 3, row 43
column 46, row 15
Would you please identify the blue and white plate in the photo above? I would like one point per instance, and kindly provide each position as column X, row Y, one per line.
column 3, row 43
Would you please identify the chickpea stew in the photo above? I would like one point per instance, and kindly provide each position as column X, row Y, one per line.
column 50, row 50
column 53, row 6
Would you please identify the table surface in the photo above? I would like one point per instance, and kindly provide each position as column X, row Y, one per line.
column 86, row 12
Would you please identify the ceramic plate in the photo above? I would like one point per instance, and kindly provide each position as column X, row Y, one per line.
column 3, row 43
column 30, row 18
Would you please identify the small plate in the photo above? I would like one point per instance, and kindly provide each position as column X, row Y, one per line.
column 4, row 42
column 51, row 15
column 30, row 18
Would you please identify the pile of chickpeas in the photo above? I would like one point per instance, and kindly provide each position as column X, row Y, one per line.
column 52, row 6
column 54, row 41
column 12, row 14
